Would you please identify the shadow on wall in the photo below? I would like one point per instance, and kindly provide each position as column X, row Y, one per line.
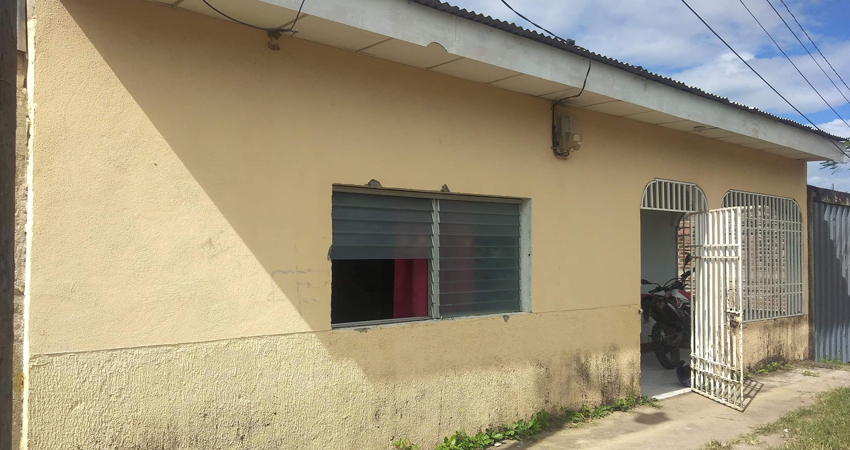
column 266, row 133
column 265, row 138
column 233, row 130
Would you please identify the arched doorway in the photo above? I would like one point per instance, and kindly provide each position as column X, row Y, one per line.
column 665, row 239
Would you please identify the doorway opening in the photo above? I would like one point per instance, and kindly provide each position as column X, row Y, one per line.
column 665, row 240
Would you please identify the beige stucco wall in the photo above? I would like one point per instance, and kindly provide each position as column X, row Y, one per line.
column 785, row 339
column 332, row 389
column 21, row 187
column 180, row 287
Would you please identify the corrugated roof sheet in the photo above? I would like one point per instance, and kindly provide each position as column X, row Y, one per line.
column 581, row 51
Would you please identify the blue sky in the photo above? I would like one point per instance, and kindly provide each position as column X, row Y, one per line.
column 664, row 37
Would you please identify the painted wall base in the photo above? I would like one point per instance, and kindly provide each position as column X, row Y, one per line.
column 785, row 339
column 344, row 389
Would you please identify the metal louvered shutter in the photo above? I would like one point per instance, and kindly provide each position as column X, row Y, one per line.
column 380, row 227
column 479, row 248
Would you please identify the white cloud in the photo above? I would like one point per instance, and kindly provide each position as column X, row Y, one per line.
column 836, row 127
column 667, row 37
column 839, row 180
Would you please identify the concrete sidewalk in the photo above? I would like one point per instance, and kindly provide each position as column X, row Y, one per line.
column 689, row 421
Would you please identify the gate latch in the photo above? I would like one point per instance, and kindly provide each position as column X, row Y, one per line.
column 734, row 319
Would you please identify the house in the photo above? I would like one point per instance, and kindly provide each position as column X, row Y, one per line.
column 360, row 231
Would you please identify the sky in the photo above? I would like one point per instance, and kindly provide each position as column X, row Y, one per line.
column 664, row 37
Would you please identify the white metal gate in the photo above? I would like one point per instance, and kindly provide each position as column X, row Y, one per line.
column 717, row 366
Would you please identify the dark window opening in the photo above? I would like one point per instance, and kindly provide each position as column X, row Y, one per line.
column 378, row 289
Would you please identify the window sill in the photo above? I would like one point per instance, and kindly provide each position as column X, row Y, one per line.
column 419, row 320
column 765, row 319
column 374, row 323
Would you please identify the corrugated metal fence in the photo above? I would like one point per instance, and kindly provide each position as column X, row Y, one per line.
column 829, row 256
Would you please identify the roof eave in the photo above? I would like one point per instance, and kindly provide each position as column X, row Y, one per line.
column 506, row 46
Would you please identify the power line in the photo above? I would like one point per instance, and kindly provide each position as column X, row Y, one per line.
column 815, row 45
column 566, row 41
column 555, row 142
column 556, row 102
column 291, row 28
column 807, row 50
column 792, row 63
column 761, row 77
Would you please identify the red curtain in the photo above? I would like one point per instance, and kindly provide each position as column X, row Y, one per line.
column 410, row 289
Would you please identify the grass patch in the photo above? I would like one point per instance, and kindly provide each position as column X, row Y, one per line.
column 768, row 368
column 749, row 439
column 824, row 425
column 537, row 423
column 717, row 445
column 831, row 360
column 827, row 363
column 587, row 414
column 809, row 373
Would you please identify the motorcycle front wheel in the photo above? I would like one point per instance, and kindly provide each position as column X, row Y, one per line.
column 667, row 354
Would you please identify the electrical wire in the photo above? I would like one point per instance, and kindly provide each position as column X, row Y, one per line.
column 289, row 29
column 566, row 41
column 761, row 77
column 795, row 65
column 555, row 104
column 583, row 85
column 807, row 51
column 815, row 45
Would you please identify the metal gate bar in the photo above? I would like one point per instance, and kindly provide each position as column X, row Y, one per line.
column 717, row 334
column 673, row 196
column 772, row 255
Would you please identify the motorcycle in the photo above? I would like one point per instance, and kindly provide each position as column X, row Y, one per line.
column 670, row 306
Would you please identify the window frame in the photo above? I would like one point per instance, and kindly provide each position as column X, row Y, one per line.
column 788, row 239
column 433, row 263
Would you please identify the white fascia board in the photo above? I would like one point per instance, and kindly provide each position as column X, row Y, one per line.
column 417, row 24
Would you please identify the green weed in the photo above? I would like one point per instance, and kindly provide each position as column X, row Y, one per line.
column 768, row 368
column 586, row 414
column 404, row 444
column 831, row 360
column 483, row 439
column 538, row 422
column 824, row 425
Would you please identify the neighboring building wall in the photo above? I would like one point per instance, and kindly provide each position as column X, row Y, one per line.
column 8, row 124
column 180, row 287
column 829, row 235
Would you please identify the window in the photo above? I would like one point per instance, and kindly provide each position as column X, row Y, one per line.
column 400, row 255
column 772, row 255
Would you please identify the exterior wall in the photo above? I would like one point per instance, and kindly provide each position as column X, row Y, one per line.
column 785, row 339
column 181, row 198
column 334, row 389
column 21, row 186
column 8, row 127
